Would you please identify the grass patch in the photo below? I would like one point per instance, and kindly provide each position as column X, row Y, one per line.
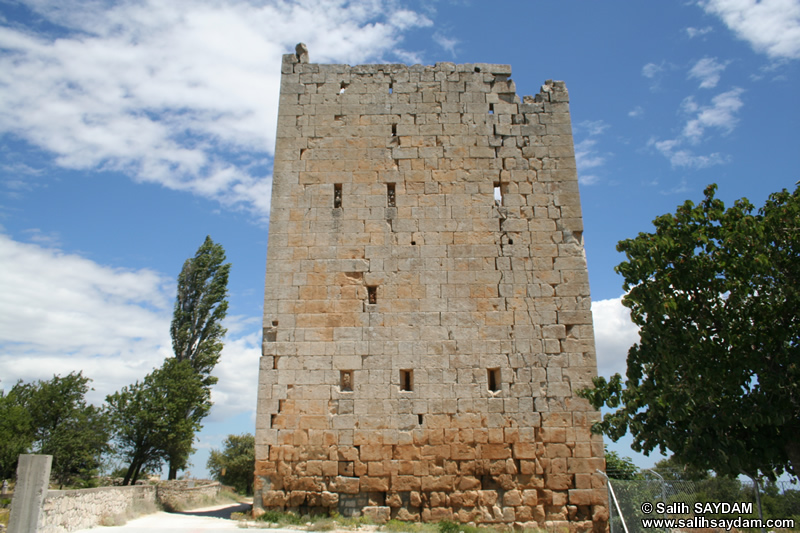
column 398, row 526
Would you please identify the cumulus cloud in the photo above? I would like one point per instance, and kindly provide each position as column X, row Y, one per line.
column 651, row 70
column 587, row 155
column 708, row 71
column 447, row 44
column 720, row 115
column 62, row 312
column 771, row 27
column 614, row 334
column 697, row 32
column 186, row 98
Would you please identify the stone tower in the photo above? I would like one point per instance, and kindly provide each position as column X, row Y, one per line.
column 427, row 315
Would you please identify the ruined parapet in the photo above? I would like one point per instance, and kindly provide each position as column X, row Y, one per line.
column 427, row 316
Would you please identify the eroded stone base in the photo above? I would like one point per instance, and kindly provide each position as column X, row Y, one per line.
column 529, row 477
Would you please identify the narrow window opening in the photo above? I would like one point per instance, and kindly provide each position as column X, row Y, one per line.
column 498, row 194
column 338, row 118
column 391, row 87
column 394, row 130
column 281, row 404
column 413, row 243
column 372, row 294
column 346, row 381
column 302, row 151
column 275, row 362
column 419, row 419
column 337, row 195
column 342, row 87
column 275, row 323
column 493, row 376
column 491, row 109
column 272, row 420
column 390, row 194
column 510, row 241
column 406, row 380
column 477, row 69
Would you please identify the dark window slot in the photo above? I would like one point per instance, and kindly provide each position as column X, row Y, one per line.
column 346, row 381
column 337, row 195
column 493, row 377
column 372, row 294
column 406, row 380
column 390, row 194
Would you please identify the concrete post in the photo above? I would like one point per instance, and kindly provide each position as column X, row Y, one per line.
column 33, row 479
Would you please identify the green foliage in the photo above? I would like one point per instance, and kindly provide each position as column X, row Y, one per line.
column 149, row 417
column 671, row 469
column 715, row 376
column 61, row 424
column 235, row 464
column 197, row 332
column 16, row 429
column 619, row 467
column 281, row 518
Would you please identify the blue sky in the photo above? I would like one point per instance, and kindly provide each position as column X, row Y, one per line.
column 130, row 130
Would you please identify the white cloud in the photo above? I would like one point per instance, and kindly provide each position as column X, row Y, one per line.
column 587, row 156
column 682, row 157
column 62, row 313
column 447, row 44
column 695, row 32
column 721, row 114
column 181, row 95
column 614, row 334
column 708, row 71
column 637, row 111
column 651, row 70
column 770, row 26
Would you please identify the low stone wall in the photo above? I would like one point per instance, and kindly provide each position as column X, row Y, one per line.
column 181, row 494
column 69, row 510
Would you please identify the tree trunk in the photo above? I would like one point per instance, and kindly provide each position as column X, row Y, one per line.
column 173, row 472
column 136, row 473
column 129, row 473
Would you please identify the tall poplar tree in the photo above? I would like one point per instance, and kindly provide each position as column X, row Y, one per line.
column 197, row 332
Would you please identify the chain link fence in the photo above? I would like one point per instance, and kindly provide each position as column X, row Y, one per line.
column 675, row 498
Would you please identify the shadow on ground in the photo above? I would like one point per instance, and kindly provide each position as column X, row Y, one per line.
column 224, row 512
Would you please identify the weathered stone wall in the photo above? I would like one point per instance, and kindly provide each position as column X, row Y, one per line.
column 427, row 315
column 181, row 494
column 70, row 510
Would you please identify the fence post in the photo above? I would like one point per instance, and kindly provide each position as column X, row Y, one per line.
column 33, row 481
column 616, row 503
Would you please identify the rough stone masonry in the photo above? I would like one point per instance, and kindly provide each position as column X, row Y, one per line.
column 427, row 316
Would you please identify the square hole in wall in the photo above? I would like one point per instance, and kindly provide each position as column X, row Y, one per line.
column 406, row 380
column 346, row 380
column 337, row 195
column 493, row 379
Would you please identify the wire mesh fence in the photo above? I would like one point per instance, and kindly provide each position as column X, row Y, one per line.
column 649, row 496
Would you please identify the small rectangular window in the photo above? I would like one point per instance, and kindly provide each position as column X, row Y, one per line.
column 394, row 130
column 406, row 380
column 498, row 193
column 493, row 378
column 390, row 194
column 337, row 195
column 491, row 109
column 372, row 294
column 346, row 381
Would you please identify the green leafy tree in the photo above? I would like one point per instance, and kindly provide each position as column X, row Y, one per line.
column 197, row 332
column 715, row 376
column 149, row 417
column 671, row 469
column 619, row 467
column 234, row 465
column 64, row 426
column 16, row 428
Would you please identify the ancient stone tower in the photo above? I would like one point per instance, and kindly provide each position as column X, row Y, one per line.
column 427, row 315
